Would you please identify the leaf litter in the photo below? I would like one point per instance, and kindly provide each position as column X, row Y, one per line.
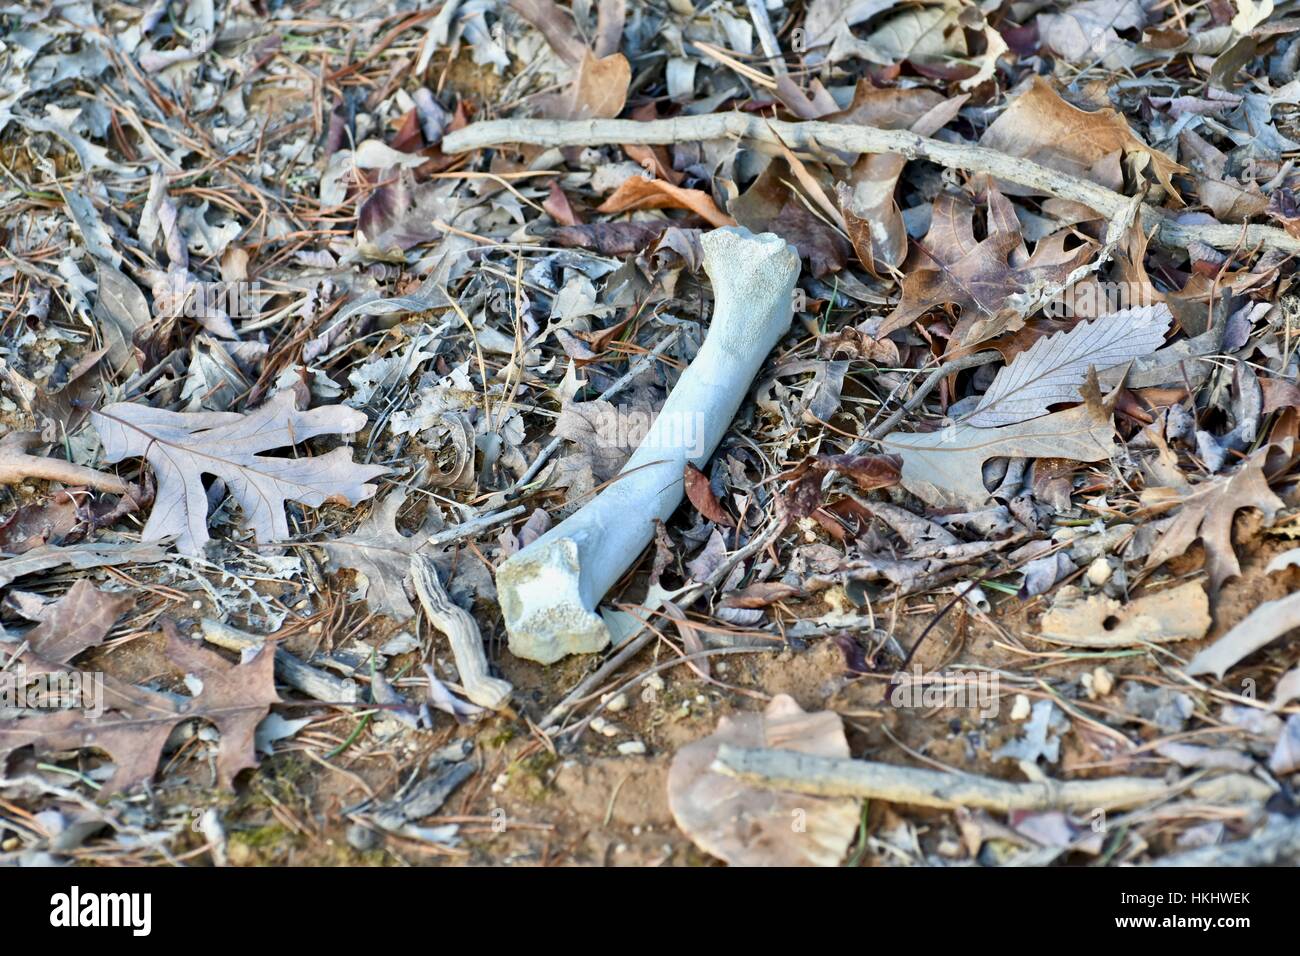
column 1028, row 451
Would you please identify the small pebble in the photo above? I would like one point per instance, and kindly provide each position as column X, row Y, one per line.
column 1099, row 572
column 362, row 838
column 1103, row 682
column 617, row 703
column 631, row 748
column 1020, row 707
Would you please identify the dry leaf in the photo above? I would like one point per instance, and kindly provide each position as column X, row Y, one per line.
column 1177, row 614
column 1052, row 369
column 702, row 497
column 81, row 557
column 79, row 620
column 599, row 89
column 637, row 192
column 1207, row 513
column 1261, row 626
column 871, row 215
column 183, row 446
column 137, row 723
column 559, row 208
column 952, row 267
column 381, row 555
column 556, row 25
column 751, row 826
column 945, row 468
column 611, row 238
column 1042, row 127
column 1286, row 753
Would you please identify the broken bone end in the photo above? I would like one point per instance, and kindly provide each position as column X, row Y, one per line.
column 541, row 599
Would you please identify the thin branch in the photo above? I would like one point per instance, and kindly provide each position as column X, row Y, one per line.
column 823, row 139
column 17, row 466
column 837, row 777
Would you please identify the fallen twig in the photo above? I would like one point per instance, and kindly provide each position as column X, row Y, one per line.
column 1274, row 844
column 462, row 633
column 834, row 777
column 312, row 681
column 824, row 139
column 17, row 466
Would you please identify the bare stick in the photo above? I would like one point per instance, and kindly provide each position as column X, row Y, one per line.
column 462, row 633
column 835, row 777
column 824, row 138
column 472, row 527
column 17, row 466
column 1277, row 843
column 766, row 35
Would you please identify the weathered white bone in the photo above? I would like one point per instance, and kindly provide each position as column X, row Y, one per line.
column 549, row 590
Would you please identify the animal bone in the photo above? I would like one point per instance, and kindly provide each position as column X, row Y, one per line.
column 549, row 590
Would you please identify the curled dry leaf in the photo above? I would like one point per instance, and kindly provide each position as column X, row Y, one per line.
column 1176, row 614
column 1207, row 513
column 702, row 497
column 872, row 218
column 183, row 446
column 750, row 826
column 637, row 192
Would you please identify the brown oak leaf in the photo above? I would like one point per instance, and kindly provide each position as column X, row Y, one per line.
column 952, row 267
column 1208, row 512
column 136, row 722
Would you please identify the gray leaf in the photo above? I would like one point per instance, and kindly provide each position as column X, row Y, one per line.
column 1052, row 370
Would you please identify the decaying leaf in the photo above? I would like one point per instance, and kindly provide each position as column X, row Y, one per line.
column 183, row 446
column 637, row 192
column 1207, row 513
column 381, row 555
column 750, row 826
column 945, row 468
column 137, row 722
column 1261, row 626
column 1175, row 614
column 1051, row 371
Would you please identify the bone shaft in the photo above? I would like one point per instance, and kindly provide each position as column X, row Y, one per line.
column 550, row 589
